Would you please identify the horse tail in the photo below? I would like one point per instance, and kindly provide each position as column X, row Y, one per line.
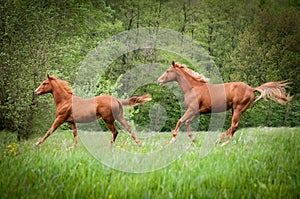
column 136, row 100
column 274, row 91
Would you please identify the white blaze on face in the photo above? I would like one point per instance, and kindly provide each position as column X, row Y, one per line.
column 37, row 92
column 160, row 79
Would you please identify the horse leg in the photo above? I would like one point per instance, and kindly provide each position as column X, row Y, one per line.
column 226, row 133
column 234, row 125
column 188, row 115
column 176, row 131
column 235, row 119
column 189, row 131
column 114, row 132
column 187, row 123
column 222, row 136
column 74, row 130
column 128, row 128
column 237, row 111
column 57, row 122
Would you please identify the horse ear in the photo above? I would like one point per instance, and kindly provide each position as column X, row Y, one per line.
column 173, row 63
column 50, row 77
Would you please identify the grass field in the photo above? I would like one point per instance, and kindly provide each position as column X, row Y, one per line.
column 257, row 163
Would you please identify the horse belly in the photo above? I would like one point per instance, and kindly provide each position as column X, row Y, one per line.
column 85, row 118
column 214, row 108
column 84, row 111
column 214, row 101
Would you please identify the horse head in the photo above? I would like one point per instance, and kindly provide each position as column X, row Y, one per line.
column 45, row 86
column 168, row 76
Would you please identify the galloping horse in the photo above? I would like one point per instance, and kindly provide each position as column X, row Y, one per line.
column 202, row 97
column 72, row 109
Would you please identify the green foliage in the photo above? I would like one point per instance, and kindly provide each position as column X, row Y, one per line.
column 40, row 38
column 268, row 49
column 164, row 108
column 254, row 42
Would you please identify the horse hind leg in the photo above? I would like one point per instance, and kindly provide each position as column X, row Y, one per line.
column 128, row 128
column 187, row 123
column 236, row 115
column 178, row 124
column 75, row 134
column 114, row 132
column 222, row 137
column 225, row 135
column 237, row 111
column 118, row 115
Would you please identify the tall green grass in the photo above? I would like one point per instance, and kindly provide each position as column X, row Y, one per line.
column 257, row 163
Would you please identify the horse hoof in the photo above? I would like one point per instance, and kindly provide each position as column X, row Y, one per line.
column 138, row 143
column 219, row 140
column 193, row 139
column 226, row 142
column 70, row 148
column 172, row 140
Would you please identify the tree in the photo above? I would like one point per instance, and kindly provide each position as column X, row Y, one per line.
column 268, row 51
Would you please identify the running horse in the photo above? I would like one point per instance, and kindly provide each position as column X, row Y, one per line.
column 72, row 109
column 201, row 97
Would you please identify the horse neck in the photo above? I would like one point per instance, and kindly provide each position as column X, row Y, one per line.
column 59, row 94
column 186, row 83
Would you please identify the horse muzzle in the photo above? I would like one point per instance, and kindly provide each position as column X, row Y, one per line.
column 160, row 82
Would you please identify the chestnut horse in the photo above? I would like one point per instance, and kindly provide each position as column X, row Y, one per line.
column 200, row 97
column 72, row 109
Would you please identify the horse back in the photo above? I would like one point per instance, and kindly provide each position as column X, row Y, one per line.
column 221, row 97
column 88, row 110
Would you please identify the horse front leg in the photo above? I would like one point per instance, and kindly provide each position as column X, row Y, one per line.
column 188, row 116
column 58, row 121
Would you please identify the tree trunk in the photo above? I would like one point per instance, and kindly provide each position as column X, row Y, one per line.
column 268, row 119
column 287, row 113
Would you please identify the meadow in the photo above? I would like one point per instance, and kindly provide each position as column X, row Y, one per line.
column 257, row 163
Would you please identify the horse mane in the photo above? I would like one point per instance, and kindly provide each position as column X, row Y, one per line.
column 64, row 84
column 195, row 75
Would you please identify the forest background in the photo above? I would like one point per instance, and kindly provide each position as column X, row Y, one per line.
column 250, row 41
